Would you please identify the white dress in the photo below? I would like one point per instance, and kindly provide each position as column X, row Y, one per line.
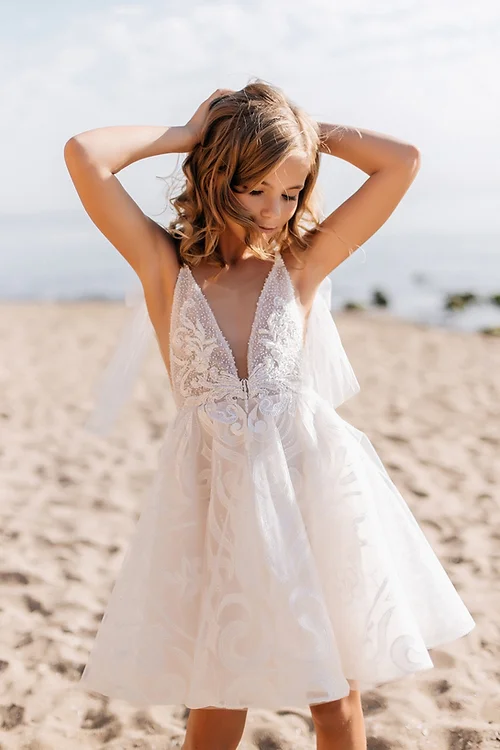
column 275, row 563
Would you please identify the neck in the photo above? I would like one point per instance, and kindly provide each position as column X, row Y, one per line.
column 231, row 247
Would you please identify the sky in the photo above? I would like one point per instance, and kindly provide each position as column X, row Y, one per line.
column 425, row 72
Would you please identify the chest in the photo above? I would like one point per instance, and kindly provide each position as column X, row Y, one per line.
column 238, row 339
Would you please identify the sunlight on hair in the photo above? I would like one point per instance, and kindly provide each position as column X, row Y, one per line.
column 247, row 134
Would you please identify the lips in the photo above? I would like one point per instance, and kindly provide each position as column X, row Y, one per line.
column 268, row 229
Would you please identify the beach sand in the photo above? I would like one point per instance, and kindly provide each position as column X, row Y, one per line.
column 430, row 403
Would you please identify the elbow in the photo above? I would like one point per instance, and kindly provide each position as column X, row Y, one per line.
column 409, row 160
column 73, row 149
column 413, row 156
column 69, row 148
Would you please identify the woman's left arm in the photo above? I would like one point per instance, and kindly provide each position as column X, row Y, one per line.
column 392, row 165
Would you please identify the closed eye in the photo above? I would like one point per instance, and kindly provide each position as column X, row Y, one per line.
column 286, row 197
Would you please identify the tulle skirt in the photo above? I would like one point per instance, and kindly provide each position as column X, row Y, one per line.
column 274, row 564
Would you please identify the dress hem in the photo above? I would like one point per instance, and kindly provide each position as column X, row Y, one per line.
column 363, row 686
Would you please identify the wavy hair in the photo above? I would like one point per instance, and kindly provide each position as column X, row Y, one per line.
column 246, row 134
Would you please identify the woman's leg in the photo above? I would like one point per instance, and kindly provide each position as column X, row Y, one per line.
column 340, row 724
column 214, row 729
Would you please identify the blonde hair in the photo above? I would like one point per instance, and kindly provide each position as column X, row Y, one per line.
column 246, row 134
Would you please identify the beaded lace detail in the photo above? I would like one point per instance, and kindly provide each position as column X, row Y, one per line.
column 203, row 367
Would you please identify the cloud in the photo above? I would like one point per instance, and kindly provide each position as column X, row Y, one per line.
column 422, row 71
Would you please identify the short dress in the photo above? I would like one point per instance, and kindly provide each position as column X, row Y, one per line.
column 274, row 563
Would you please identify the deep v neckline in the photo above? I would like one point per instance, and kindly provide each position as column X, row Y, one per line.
column 217, row 327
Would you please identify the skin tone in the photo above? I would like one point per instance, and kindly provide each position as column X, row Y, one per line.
column 272, row 203
column 339, row 725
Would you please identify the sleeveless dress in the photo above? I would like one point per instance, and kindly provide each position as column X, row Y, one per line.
column 274, row 563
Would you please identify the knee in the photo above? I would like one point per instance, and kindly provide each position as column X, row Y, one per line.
column 214, row 729
column 332, row 716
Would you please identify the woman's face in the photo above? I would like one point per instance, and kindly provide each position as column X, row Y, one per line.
column 273, row 201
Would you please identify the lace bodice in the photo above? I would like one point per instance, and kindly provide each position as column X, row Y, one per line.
column 203, row 368
column 283, row 358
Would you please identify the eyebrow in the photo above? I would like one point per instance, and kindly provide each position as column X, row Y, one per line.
column 295, row 187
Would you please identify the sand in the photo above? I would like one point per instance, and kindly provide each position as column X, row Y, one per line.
column 430, row 403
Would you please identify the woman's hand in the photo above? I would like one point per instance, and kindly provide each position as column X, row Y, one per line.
column 194, row 126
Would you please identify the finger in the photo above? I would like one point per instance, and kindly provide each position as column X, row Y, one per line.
column 221, row 92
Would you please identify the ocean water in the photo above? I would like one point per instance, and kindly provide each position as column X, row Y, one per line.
column 64, row 258
column 417, row 272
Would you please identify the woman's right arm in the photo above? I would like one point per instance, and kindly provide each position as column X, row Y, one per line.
column 93, row 158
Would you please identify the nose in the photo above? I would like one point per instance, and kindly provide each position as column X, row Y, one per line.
column 271, row 211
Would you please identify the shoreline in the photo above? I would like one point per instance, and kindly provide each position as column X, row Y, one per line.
column 458, row 321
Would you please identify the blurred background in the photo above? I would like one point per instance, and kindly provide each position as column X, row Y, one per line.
column 426, row 72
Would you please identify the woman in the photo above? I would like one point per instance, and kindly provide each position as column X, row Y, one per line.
column 275, row 562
